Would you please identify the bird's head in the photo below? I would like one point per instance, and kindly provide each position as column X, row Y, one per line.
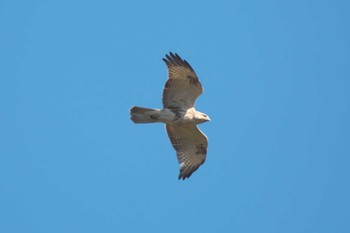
column 202, row 118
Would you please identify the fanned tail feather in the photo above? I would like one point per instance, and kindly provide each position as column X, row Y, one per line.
column 144, row 115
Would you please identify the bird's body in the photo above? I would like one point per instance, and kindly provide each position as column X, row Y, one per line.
column 167, row 116
column 179, row 115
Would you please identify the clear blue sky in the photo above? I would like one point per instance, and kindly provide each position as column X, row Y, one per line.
column 277, row 88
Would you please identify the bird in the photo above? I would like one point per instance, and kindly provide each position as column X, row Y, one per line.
column 179, row 115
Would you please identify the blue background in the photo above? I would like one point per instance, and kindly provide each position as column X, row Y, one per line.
column 277, row 88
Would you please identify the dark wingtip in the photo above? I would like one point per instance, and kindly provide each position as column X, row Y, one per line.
column 184, row 176
column 165, row 60
column 171, row 56
column 176, row 60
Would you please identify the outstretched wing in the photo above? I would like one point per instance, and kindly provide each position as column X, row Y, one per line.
column 190, row 145
column 182, row 87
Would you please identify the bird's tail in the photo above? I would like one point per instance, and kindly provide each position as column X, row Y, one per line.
column 144, row 115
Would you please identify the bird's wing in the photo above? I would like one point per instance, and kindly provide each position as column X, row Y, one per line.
column 190, row 145
column 183, row 86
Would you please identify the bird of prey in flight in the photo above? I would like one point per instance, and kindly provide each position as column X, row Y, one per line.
column 179, row 115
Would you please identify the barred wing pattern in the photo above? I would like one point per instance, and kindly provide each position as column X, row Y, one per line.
column 190, row 145
column 183, row 86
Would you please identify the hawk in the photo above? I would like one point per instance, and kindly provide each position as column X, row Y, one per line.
column 179, row 115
